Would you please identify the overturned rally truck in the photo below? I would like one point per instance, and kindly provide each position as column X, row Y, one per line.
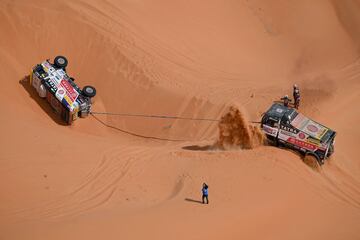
column 52, row 82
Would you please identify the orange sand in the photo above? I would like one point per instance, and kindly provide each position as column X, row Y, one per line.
column 141, row 178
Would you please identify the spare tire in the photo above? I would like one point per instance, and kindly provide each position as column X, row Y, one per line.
column 60, row 62
column 89, row 91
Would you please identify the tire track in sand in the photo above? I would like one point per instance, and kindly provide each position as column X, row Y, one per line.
column 96, row 189
column 331, row 183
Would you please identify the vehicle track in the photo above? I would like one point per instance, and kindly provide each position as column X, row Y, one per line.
column 96, row 189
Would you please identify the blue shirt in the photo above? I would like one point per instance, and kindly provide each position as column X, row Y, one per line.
column 205, row 191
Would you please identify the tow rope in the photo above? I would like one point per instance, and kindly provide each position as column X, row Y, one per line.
column 149, row 116
column 154, row 116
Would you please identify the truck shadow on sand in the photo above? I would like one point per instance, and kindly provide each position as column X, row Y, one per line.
column 316, row 168
column 199, row 148
column 45, row 106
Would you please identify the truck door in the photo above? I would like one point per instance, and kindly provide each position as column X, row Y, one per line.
column 272, row 127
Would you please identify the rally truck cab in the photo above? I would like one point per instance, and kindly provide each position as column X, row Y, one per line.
column 287, row 127
column 52, row 82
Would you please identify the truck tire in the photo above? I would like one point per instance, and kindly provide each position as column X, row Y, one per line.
column 60, row 62
column 89, row 91
column 312, row 160
column 277, row 143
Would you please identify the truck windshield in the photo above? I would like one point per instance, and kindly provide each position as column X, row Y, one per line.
column 328, row 135
column 291, row 114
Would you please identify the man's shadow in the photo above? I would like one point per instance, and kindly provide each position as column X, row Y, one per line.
column 193, row 200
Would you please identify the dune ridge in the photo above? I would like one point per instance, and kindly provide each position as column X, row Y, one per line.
column 117, row 177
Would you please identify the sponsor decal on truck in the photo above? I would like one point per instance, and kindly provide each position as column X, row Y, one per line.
column 302, row 144
column 70, row 91
column 271, row 131
column 308, row 126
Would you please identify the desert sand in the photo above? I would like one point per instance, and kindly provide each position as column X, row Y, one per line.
column 118, row 177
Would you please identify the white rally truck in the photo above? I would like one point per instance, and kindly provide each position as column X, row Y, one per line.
column 287, row 127
column 52, row 82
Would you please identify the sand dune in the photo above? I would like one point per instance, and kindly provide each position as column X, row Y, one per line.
column 126, row 177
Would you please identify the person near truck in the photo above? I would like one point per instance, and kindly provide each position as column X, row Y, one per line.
column 286, row 100
column 296, row 95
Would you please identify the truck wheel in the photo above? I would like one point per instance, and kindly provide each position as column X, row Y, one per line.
column 312, row 160
column 89, row 91
column 60, row 62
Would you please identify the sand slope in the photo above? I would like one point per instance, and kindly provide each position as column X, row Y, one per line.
column 141, row 177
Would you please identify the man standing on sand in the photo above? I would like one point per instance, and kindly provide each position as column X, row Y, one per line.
column 205, row 193
column 296, row 95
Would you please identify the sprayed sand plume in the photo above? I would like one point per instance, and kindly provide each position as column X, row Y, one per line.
column 234, row 131
column 178, row 58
